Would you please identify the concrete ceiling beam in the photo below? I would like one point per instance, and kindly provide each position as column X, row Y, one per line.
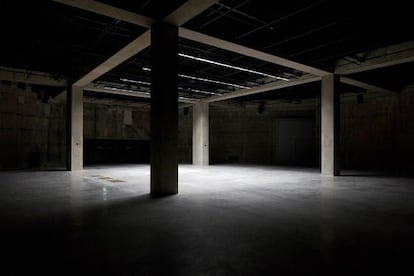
column 264, row 88
column 31, row 77
column 188, row 11
column 124, row 54
column 110, row 11
column 379, row 58
column 125, row 92
column 249, row 52
column 364, row 85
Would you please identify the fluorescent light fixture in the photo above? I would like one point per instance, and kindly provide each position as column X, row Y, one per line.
column 190, row 77
column 199, row 91
column 213, row 81
column 135, row 81
column 231, row 67
column 188, row 99
column 124, row 90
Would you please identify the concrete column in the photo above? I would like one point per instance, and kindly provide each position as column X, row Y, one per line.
column 75, row 128
column 164, row 109
column 330, row 125
column 200, row 134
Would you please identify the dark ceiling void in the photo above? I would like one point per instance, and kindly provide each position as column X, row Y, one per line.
column 394, row 77
column 62, row 40
column 51, row 37
column 156, row 9
column 315, row 33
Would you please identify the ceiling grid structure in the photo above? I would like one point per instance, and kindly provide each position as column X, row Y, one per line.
column 224, row 46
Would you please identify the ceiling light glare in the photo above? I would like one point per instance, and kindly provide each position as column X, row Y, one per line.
column 213, row 81
column 188, row 99
column 135, row 81
column 124, row 90
column 232, row 67
column 199, row 91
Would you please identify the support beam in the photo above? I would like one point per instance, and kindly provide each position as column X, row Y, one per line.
column 264, row 88
column 188, row 10
column 201, row 134
column 94, row 87
column 379, row 58
column 164, row 109
column 330, row 125
column 365, row 85
column 180, row 16
column 243, row 50
column 123, row 92
column 127, row 52
column 31, row 77
column 110, row 11
column 75, row 128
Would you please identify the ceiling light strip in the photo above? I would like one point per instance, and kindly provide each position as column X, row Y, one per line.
column 135, row 81
column 124, row 90
column 189, row 77
column 213, row 81
column 181, row 88
column 231, row 66
column 199, row 91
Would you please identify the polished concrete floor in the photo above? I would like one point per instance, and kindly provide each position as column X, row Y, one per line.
column 226, row 220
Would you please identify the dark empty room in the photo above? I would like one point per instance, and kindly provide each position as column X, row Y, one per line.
column 206, row 137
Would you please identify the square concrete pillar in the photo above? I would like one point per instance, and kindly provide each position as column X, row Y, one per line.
column 164, row 109
column 330, row 125
column 201, row 134
column 74, row 128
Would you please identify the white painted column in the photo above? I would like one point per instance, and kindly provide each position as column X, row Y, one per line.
column 201, row 150
column 75, row 128
column 330, row 125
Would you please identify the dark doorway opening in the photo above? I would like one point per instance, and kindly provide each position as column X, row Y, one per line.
column 116, row 151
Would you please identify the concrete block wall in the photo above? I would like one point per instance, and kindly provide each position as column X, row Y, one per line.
column 32, row 133
column 378, row 134
column 109, row 121
column 185, row 135
column 242, row 135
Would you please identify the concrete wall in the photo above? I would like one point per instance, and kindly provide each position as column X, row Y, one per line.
column 185, row 135
column 377, row 134
column 243, row 135
column 32, row 133
column 114, row 121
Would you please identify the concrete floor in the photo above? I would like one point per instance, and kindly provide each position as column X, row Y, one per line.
column 226, row 220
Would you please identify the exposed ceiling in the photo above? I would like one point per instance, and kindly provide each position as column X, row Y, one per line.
column 62, row 40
